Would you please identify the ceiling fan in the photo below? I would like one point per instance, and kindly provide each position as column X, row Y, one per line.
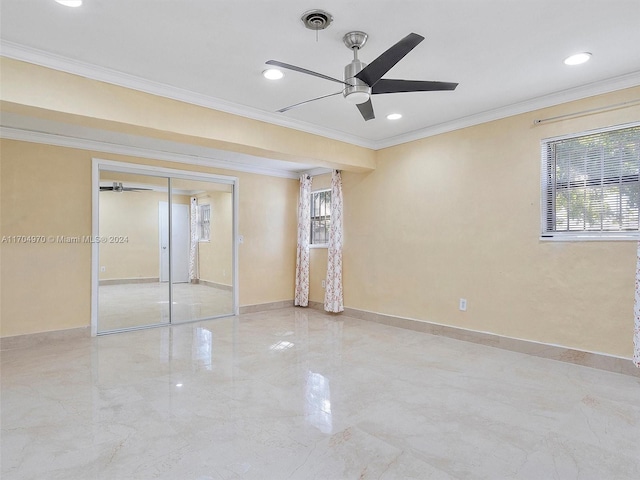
column 362, row 80
column 118, row 187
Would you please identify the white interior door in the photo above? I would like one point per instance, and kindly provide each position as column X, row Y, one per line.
column 179, row 241
column 180, row 237
column 163, row 228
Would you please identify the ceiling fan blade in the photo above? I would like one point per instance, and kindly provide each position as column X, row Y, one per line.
column 366, row 109
column 388, row 85
column 381, row 65
column 304, row 70
column 282, row 110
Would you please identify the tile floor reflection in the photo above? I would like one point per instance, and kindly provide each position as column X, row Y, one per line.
column 139, row 304
column 296, row 394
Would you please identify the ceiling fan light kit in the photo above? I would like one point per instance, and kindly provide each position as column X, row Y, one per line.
column 362, row 80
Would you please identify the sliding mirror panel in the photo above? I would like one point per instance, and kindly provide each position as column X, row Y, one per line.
column 201, row 249
column 133, row 288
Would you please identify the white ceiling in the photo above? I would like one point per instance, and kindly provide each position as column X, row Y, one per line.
column 506, row 55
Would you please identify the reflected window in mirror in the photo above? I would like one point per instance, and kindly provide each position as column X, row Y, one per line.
column 204, row 223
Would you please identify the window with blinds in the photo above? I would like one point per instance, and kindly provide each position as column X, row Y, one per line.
column 320, row 217
column 590, row 184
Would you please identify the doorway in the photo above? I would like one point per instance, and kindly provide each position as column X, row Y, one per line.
column 165, row 249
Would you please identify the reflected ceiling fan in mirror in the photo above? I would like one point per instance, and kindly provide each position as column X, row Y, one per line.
column 118, row 187
column 362, row 80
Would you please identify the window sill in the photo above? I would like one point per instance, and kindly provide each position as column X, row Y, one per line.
column 319, row 245
column 590, row 237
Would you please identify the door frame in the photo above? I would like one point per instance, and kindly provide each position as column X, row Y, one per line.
column 99, row 164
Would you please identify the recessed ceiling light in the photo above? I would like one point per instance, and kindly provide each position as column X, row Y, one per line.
column 273, row 74
column 394, row 116
column 578, row 58
column 70, row 3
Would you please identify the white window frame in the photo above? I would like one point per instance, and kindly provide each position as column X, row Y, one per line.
column 550, row 235
column 311, row 244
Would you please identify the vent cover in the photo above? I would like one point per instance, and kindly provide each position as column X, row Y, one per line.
column 316, row 19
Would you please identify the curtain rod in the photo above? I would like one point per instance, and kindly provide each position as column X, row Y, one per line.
column 309, row 176
column 587, row 112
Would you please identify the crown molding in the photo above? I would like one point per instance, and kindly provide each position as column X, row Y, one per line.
column 105, row 147
column 114, row 77
column 596, row 88
column 94, row 72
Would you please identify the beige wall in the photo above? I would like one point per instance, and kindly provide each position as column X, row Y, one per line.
column 50, row 94
column 48, row 286
column 134, row 215
column 268, row 254
column 458, row 215
column 45, row 191
column 215, row 257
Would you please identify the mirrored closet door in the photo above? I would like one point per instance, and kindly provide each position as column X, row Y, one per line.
column 131, row 293
column 163, row 248
column 202, row 261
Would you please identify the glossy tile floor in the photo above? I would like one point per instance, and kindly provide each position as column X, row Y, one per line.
column 296, row 394
column 139, row 304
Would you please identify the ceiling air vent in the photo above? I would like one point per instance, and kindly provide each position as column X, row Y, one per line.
column 316, row 19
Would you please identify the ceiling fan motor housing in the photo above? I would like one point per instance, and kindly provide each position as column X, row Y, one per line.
column 357, row 91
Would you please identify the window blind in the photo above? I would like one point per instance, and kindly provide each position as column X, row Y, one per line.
column 590, row 182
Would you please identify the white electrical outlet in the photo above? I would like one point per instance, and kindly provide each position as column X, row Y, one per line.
column 324, row 284
column 463, row 305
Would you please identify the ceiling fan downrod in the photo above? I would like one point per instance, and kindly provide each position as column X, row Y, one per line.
column 357, row 91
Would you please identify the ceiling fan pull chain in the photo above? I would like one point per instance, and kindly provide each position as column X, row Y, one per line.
column 316, row 20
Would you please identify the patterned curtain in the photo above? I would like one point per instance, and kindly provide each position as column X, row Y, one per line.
column 304, row 232
column 333, row 298
column 636, row 331
column 193, row 243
